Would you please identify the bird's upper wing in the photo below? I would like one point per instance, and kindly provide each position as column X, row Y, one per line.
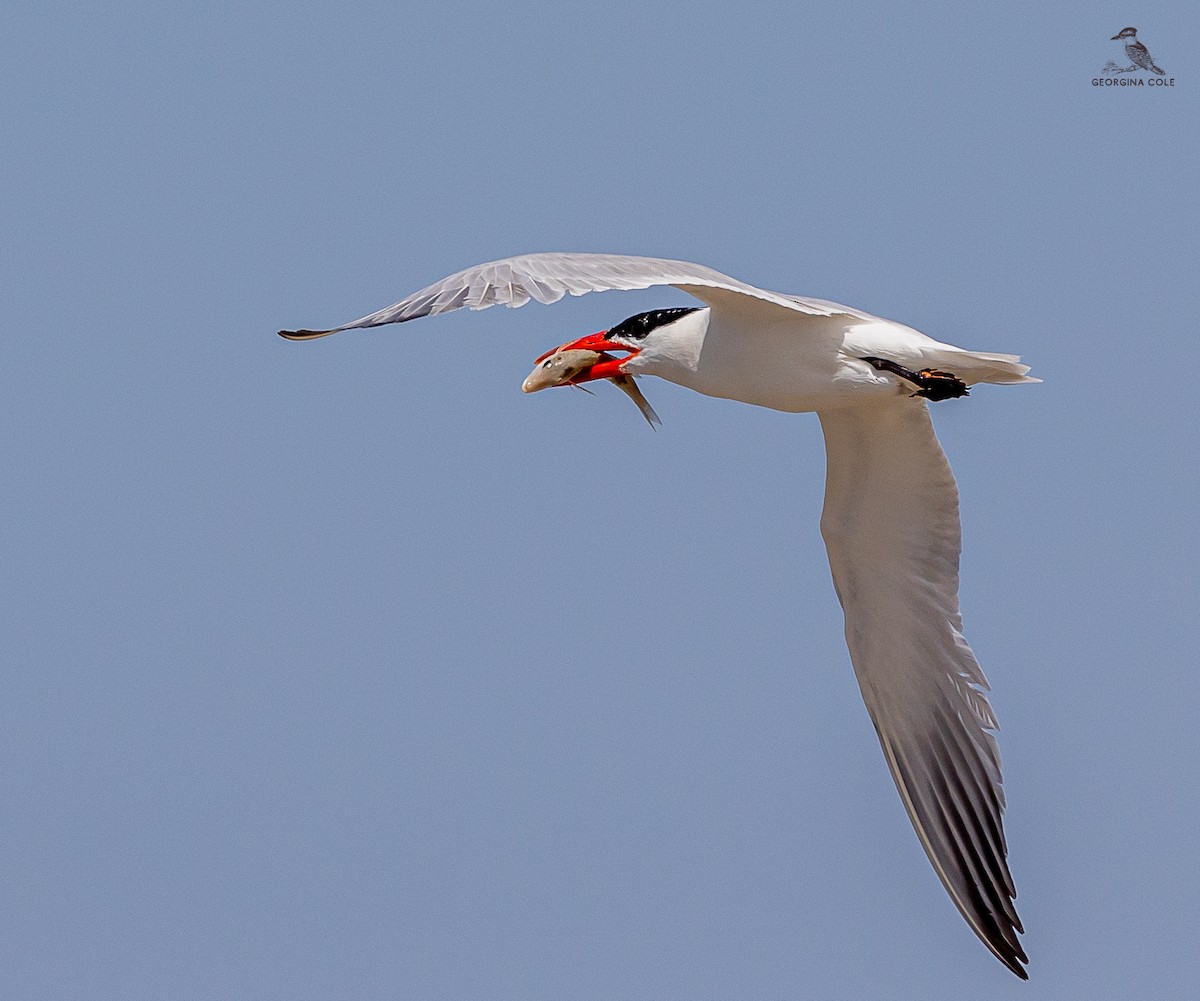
column 1139, row 54
column 891, row 527
column 548, row 277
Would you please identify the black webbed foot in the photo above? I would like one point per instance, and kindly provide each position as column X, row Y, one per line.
column 937, row 385
column 933, row 384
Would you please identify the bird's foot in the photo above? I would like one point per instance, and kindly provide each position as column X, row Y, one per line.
column 938, row 385
column 933, row 384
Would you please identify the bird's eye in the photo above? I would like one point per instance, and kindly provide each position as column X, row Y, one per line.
column 547, row 363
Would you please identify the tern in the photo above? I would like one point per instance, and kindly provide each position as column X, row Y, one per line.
column 890, row 520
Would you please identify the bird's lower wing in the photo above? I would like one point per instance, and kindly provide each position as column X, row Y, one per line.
column 891, row 527
column 548, row 277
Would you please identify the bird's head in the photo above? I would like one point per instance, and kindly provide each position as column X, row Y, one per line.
column 649, row 343
column 1125, row 33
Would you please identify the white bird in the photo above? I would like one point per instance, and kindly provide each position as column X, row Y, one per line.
column 890, row 520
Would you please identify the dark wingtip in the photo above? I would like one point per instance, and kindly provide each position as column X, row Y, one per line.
column 1013, row 957
column 303, row 335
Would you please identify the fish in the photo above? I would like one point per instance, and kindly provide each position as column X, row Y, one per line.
column 559, row 368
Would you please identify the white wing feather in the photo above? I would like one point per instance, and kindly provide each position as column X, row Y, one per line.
column 891, row 527
column 548, row 277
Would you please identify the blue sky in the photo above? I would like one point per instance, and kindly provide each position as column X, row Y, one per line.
column 346, row 670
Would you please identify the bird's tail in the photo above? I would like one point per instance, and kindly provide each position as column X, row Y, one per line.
column 981, row 366
column 1157, row 70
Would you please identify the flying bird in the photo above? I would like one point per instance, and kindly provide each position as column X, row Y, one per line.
column 1138, row 54
column 890, row 520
